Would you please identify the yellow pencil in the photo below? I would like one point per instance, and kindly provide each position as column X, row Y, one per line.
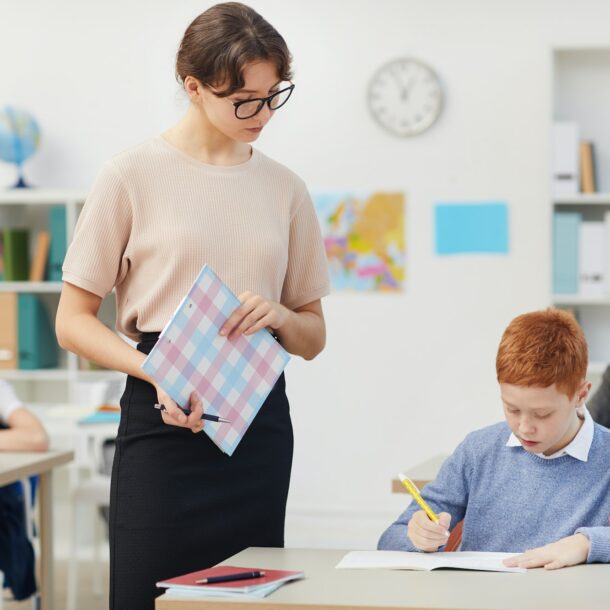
column 412, row 489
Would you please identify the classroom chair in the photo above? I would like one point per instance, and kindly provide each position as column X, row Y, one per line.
column 455, row 538
column 90, row 491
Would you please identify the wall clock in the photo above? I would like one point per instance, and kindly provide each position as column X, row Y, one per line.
column 405, row 97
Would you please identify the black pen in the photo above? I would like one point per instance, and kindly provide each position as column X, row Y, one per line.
column 227, row 577
column 207, row 416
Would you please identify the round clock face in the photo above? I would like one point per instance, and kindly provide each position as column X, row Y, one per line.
column 405, row 97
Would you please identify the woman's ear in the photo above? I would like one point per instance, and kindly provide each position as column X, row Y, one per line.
column 193, row 88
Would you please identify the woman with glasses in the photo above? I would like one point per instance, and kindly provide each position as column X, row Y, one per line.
column 199, row 193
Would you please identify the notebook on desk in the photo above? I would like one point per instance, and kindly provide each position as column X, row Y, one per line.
column 255, row 587
column 404, row 560
column 233, row 376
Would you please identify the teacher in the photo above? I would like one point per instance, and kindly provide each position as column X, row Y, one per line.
column 198, row 193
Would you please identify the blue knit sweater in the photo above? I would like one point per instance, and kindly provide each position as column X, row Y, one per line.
column 512, row 500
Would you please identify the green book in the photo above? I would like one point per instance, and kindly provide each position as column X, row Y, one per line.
column 37, row 344
column 16, row 255
column 57, row 248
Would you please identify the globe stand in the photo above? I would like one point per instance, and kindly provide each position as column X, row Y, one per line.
column 21, row 184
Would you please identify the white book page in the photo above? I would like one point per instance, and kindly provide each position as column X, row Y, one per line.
column 471, row 560
column 403, row 560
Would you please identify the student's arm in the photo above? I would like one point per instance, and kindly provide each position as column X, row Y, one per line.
column 448, row 494
column 79, row 330
column 24, row 433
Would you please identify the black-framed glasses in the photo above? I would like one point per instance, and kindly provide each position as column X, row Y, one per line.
column 246, row 109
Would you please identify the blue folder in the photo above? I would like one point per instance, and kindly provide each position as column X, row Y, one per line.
column 57, row 248
column 566, row 227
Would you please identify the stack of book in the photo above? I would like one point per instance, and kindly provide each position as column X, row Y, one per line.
column 27, row 338
column 104, row 414
column 191, row 585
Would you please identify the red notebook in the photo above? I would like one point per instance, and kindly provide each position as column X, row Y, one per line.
column 251, row 585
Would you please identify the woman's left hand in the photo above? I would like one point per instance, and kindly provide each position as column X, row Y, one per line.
column 254, row 313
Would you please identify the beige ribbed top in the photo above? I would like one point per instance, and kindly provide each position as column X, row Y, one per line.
column 155, row 216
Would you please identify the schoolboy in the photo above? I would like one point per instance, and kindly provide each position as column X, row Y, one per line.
column 537, row 484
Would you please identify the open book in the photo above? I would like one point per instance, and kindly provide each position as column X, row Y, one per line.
column 403, row 560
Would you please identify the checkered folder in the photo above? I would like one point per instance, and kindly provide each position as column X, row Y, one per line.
column 233, row 377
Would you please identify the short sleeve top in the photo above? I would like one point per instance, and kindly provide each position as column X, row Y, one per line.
column 155, row 216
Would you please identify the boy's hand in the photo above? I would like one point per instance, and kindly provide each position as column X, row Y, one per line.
column 569, row 551
column 427, row 535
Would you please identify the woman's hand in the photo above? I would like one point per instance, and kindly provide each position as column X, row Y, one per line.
column 174, row 416
column 254, row 313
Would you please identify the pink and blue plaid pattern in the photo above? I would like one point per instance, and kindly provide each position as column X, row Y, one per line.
column 232, row 376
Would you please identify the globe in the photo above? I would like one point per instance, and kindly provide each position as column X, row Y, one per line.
column 19, row 138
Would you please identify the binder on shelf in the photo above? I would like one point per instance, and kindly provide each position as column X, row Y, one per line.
column 566, row 236
column 8, row 330
column 587, row 168
column 565, row 161
column 39, row 262
column 37, row 345
column 57, row 248
column 16, row 255
column 592, row 278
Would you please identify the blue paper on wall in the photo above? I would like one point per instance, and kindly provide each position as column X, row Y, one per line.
column 466, row 228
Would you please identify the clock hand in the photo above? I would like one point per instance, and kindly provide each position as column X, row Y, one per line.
column 404, row 91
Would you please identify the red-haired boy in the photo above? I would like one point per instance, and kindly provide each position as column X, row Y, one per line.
column 537, row 484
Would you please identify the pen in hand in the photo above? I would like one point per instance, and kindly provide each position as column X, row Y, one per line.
column 228, row 577
column 415, row 493
column 205, row 416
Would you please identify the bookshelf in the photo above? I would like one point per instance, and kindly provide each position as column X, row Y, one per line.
column 29, row 209
column 581, row 95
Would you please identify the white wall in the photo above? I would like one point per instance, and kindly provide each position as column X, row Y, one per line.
column 403, row 377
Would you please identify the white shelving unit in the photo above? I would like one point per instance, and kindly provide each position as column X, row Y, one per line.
column 29, row 208
column 584, row 199
column 581, row 93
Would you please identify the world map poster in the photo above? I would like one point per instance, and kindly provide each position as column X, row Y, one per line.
column 364, row 239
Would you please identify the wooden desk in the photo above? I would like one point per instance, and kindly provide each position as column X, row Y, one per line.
column 421, row 474
column 325, row 588
column 17, row 465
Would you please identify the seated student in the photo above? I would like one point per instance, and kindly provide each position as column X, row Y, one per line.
column 21, row 429
column 537, row 484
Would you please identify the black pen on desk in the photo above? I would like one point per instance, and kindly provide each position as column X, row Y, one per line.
column 206, row 416
column 228, row 577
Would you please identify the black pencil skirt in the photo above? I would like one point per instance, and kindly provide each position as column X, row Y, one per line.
column 178, row 504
